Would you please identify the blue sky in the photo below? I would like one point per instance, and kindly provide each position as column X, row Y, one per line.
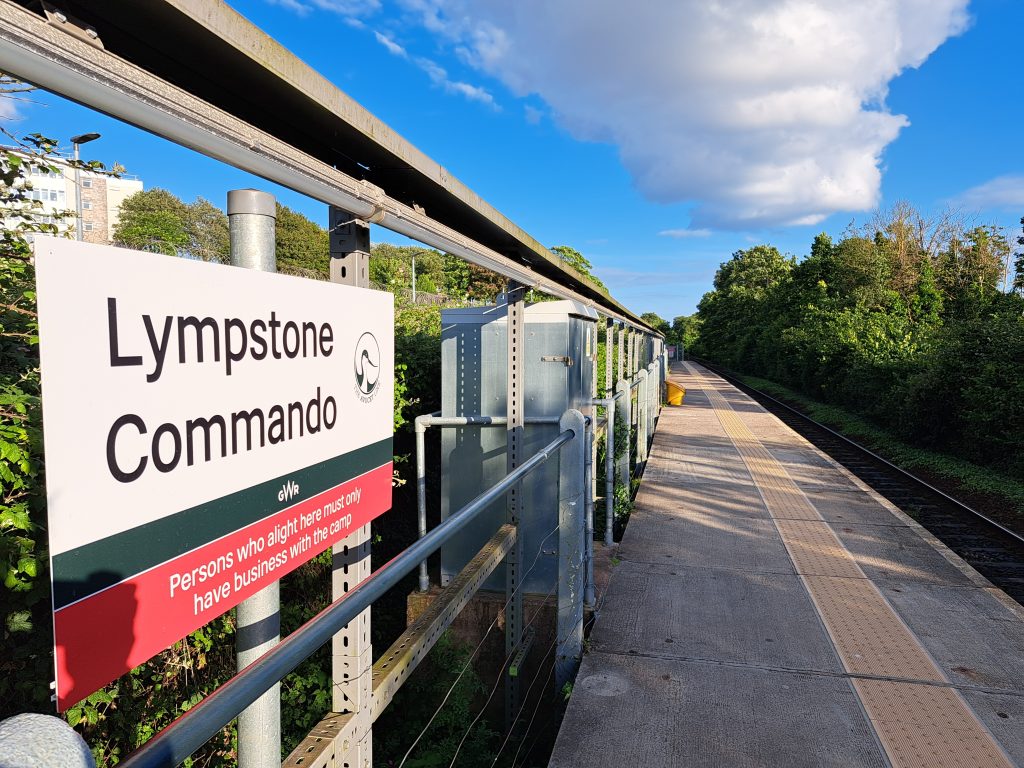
column 659, row 143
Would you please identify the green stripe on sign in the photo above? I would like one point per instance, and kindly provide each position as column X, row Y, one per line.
column 86, row 570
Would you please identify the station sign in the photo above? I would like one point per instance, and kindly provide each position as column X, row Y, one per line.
column 207, row 429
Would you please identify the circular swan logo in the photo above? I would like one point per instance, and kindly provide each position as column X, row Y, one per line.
column 367, row 365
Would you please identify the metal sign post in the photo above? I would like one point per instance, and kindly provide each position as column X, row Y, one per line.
column 251, row 222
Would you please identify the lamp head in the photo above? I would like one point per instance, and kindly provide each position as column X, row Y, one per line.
column 83, row 138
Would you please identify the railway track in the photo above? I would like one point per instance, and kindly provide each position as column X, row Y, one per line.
column 991, row 548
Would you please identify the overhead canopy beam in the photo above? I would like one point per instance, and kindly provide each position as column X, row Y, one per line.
column 199, row 74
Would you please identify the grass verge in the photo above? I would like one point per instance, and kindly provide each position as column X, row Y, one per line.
column 958, row 475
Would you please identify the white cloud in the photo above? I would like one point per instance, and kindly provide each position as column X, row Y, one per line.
column 341, row 7
column 761, row 112
column 439, row 76
column 1000, row 192
column 682, row 233
column 391, row 45
column 348, row 7
column 293, row 5
column 8, row 109
column 532, row 114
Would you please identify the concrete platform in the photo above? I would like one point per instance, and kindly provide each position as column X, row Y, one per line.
column 768, row 609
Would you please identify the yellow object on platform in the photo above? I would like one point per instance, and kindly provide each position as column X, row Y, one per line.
column 675, row 394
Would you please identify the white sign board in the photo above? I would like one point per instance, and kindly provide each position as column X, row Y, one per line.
column 207, row 430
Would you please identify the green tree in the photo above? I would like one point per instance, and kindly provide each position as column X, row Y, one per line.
column 207, row 228
column 905, row 326
column 158, row 220
column 153, row 220
column 576, row 260
column 302, row 246
column 455, row 277
column 26, row 663
column 656, row 322
column 1018, row 264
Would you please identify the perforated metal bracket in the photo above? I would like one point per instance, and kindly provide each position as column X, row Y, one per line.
column 524, row 649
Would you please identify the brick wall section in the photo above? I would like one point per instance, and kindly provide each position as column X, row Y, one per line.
column 96, row 195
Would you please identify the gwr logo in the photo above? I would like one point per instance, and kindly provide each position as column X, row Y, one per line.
column 288, row 491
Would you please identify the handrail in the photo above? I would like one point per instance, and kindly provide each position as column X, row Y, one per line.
column 180, row 739
column 435, row 419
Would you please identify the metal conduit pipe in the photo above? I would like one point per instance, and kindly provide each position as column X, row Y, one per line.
column 180, row 739
column 437, row 420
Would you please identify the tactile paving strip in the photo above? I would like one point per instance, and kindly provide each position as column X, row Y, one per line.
column 920, row 725
column 925, row 725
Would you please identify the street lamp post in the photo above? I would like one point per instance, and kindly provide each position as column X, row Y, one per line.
column 76, row 141
column 414, row 281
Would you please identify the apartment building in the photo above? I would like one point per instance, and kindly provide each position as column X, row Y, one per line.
column 101, row 198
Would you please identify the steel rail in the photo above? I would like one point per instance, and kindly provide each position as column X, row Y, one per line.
column 857, row 446
column 437, row 420
column 180, row 739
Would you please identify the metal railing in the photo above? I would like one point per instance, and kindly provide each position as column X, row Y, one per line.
column 189, row 732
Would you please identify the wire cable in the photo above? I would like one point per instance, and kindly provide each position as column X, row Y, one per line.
column 597, row 608
column 500, row 678
column 479, row 645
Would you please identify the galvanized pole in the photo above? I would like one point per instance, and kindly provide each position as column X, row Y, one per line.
column 421, row 495
column 251, row 230
column 609, row 350
column 515, row 405
column 588, row 594
column 622, row 352
column 591, row 470
column 622, row 391
column 629, row 358
column 352, row 651
column 414, row 281
column 643, row 406
column 610, row 406
column 571, row 549
column 609, row 474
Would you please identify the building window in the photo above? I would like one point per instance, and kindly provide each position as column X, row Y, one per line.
column 87, row 205
column 86, row 183
column 87, row 226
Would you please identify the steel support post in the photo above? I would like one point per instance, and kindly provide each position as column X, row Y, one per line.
column 653, row 401
column 251, row 225
column 631, row 345
column 591, row 472
column 642, row 410
column 515, row 399
column 609, row 350
column 352, row 652
column 421, row 495
column 622, row 405
column 622, row 352
column 609, row 473
column 571, row 549
column 589, row 483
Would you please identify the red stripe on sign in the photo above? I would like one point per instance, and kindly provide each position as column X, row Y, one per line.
column 107, row 634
